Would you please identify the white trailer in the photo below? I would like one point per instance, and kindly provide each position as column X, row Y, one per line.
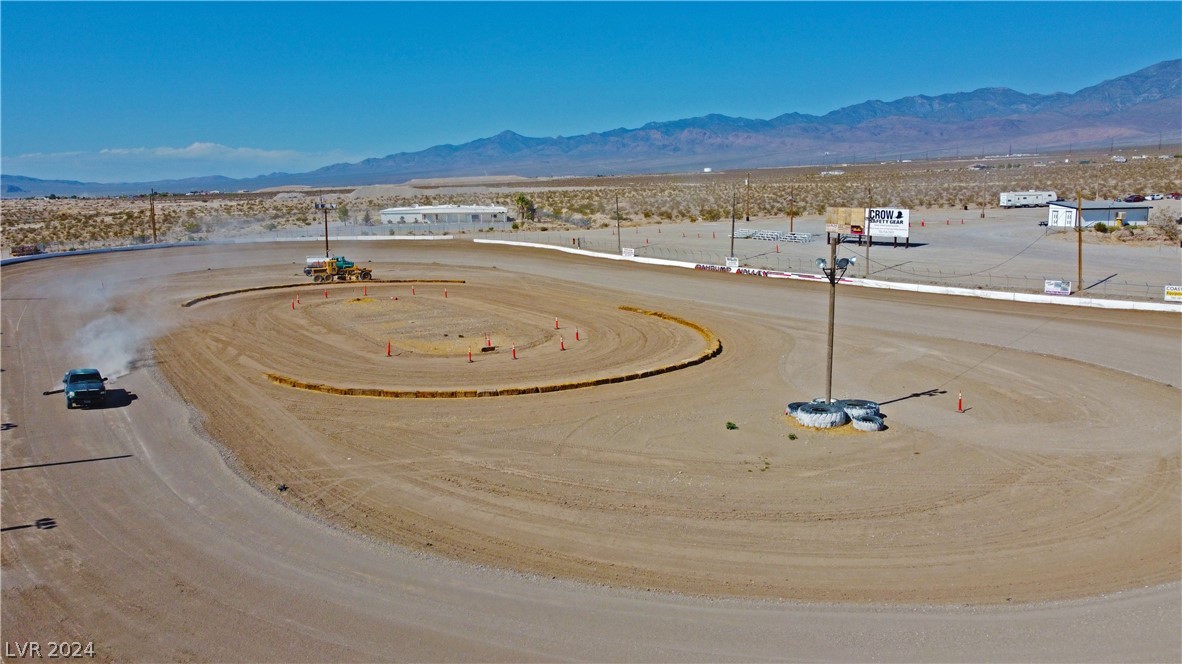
column 1026, row 198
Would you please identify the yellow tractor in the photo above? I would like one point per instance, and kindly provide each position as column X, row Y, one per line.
column 337, row 267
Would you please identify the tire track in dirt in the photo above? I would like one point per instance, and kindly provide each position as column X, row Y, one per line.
column 530, row 481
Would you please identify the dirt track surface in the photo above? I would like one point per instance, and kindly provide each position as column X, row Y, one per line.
column 1051, row 507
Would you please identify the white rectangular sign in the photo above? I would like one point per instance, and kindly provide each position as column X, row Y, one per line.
column 732, row 263
column 1173, row 293
column 1056, row 287
column 628, row 252
column 888, row 222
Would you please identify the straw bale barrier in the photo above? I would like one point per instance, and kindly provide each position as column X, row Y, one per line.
column 713, row 349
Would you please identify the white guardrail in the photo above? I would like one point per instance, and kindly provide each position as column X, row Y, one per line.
column 869, row 283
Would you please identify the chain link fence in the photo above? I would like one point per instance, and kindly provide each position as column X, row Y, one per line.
column 770, row 259
column 764, row 258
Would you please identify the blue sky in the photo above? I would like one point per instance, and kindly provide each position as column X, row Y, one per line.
column 142, row 91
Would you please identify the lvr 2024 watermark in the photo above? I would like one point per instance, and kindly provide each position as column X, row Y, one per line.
column 48, row 650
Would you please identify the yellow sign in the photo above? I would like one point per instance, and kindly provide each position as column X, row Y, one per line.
column 843, row 219
column 1173, row 293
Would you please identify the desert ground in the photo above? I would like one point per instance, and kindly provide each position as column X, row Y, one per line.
column 213, row 513
column 968, row 186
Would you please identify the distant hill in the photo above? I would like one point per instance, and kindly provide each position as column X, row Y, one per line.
column 1137, row 109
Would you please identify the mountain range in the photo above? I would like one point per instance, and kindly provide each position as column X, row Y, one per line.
column 1141, row 108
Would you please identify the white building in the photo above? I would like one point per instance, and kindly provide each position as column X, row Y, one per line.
column 443, row 214
column 1062, row 213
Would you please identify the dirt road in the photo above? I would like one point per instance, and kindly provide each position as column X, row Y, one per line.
column 1043, row 523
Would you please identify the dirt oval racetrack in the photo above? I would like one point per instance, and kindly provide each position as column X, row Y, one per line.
column 1012, row 530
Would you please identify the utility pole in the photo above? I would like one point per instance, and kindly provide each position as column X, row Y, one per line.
column 152, row 213
column 984, row 182
column 1079, row 240
column 734, row 201
column 747, row 196
column 325, row 207
column 791, row 211
column 619, row 242
column 866, row 230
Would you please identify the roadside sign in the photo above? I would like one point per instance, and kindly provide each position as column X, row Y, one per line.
column 628, row 252
column 1173, row 293
column 732, row 263
column 1056, row 287
column 888, row 222
column 842, row 219
column 875, row 222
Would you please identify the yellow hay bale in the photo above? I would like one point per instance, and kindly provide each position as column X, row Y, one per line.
column 211, row 296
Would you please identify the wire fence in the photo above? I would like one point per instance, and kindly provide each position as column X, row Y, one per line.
column 771, row 259
column 763, row 257
column 441, row 228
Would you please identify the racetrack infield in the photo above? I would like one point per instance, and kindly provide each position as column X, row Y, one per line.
column 1060, row 481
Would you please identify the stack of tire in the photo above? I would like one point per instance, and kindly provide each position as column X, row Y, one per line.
column 864, row 415
column 822, row 414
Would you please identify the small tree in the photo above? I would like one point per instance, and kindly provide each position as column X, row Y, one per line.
column 1164, row 222
column 343, row 212
column 525, row 207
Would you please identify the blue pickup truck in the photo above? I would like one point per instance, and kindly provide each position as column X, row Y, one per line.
column 84, row 387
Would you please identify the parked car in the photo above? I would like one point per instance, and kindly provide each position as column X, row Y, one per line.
column 84, row 387
column 1135, row 198
column 1043, row 222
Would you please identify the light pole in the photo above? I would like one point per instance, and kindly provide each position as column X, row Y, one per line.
column 834, row 269
column 325, row 207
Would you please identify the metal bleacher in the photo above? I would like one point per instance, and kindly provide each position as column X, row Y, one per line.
column 772, row 236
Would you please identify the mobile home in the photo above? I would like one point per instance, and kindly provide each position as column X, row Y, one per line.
column 1031, row 198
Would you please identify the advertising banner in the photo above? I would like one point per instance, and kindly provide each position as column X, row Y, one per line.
column 876, row 222
column 843, row 220
column 888, row 222
column 1056, row 287
column 1173, row 293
